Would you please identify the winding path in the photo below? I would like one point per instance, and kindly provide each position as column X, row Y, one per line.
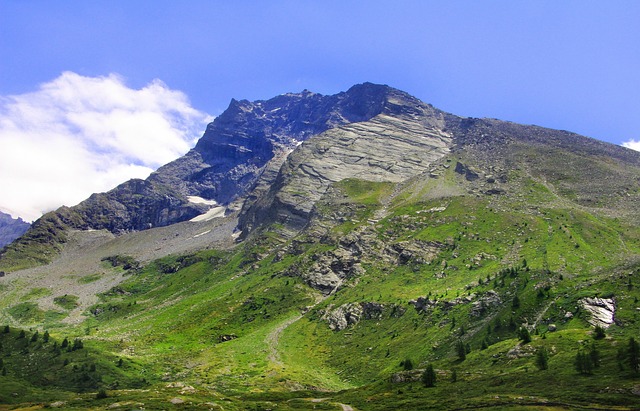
column 273, row 339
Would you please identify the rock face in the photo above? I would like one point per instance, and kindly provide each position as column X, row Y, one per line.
column 11, row 228
column 402, row 140
column 350, row 314
column 601, row 311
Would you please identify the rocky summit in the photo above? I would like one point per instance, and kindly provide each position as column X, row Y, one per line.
column 359, row 251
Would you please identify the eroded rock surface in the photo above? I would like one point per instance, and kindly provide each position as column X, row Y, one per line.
column 601, row 311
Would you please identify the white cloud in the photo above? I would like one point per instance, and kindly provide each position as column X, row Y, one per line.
column 78, row 135
column 632, row 144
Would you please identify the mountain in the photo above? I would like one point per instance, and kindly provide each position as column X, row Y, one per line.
column 11, row 228
column 357, row 251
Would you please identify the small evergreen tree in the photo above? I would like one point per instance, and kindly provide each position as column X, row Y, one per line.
column 621, row 356
column 4, row 371
column 523, row 334
column 516, row 303
column 583, row 363
column 22, row 334
column 454, row 375
column 407, row 364
column 45, row 336
column 65, row 343
column 599, row 333
column 461, row 350
column 101, row 394
column 542, row 358
column 35, row 336
column 633, row 355
column 429, row 376
column 77, row 344
column 594, row 354
column 6, row 329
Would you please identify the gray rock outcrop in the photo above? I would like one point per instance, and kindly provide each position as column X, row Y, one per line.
column 601, row 311
column 352, row 313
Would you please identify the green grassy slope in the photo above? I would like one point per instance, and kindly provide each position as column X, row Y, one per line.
column 242, row 329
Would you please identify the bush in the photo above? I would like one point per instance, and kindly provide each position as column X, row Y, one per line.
column 101, row 394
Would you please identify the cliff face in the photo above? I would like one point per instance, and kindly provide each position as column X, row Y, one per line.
column 402, row 140
column 11, row 228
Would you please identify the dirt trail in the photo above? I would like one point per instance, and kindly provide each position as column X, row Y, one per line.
column 273, row 339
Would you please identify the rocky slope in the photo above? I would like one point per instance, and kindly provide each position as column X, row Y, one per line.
column 240, row 151
column 11, row 228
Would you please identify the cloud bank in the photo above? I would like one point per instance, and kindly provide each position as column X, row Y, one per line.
column 632, row 144
column 78, row 135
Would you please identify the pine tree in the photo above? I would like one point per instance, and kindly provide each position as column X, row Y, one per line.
column 524, row 335
column 45, row 336
column 429, row 376
column 65, row 343
column 77, row 344
column 599, row 333
column 6, row 329
column 22, row 334
column 516, row 303
column 35, row 336
column 454, row 375
column 594, row 354
column 542, row 358
column 461, row 350
column 407, row 364
column 583, row 363
column 633, row 355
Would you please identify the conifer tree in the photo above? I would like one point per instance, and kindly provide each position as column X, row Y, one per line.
column 583, row 363
column 407, row 364
column 599, row 333
column 524, row 335
column 633, row 355
column 542, row 358
column 461, row 350
column 45, row 336
column 429, row 376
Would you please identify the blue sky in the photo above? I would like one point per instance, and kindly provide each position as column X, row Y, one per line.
column 572, row 65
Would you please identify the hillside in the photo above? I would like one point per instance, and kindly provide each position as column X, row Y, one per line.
column 395, row 239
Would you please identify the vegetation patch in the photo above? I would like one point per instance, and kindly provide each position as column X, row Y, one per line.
column 67, row 301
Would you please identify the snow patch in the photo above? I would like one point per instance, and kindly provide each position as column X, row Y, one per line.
column 215, row 212
column 200, row 200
